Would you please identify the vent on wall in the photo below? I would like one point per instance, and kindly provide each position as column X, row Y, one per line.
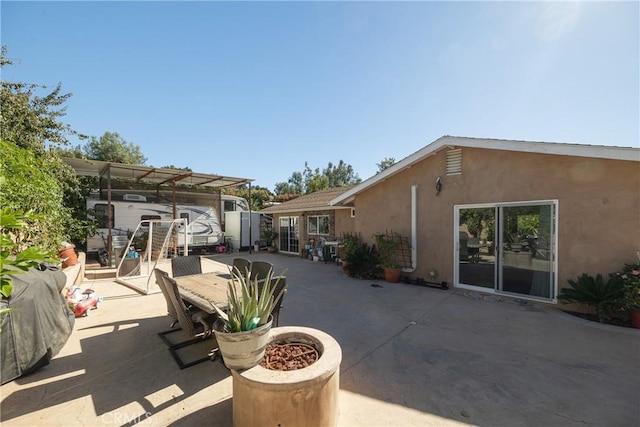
column 454, row 161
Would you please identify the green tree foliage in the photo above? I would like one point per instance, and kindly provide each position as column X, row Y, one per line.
column 30, row 121
column 385, row 163
column 259, row 195
column 111, row 147
column 30, row 113
column 341, row 175
column 312, row 180
column 294, row 185
column 27, row 184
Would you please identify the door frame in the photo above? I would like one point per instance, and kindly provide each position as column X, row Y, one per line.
column 498, row 250
column 289, row 229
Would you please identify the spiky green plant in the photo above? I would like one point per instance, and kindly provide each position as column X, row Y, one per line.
column 249, row 305
column 605, row 298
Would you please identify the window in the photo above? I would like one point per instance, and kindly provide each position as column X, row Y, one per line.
column 353, row 212
column 318, row 224
column 149, row 218
column 185, row 215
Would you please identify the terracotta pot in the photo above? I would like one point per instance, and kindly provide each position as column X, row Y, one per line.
column 345, row 270
column 635, row 319
column 68, row 256
column 392, row 275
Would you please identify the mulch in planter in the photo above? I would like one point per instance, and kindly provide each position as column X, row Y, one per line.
column 616, row 321
column 288, row 356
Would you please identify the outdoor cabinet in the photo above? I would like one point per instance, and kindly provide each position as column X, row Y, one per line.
column 237, row 229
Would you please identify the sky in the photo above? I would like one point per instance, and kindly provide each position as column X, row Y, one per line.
column 256, row 89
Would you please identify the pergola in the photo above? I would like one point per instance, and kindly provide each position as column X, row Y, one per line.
column 159, row 176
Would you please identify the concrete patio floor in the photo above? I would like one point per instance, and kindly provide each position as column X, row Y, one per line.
column 411, row 356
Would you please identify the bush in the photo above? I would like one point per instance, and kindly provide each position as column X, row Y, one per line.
column 605, row 298
column 629, row 277
column 363, row 262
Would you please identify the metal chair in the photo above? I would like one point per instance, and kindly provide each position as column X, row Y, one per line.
column 187, row 319
column 260, row 269
column 186, row 265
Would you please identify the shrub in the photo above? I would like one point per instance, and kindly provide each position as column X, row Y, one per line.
column 605, row 298
column 629, row 277
column 364, row 262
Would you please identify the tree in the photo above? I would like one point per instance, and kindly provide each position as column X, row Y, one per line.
column 341, row 175
column 31, row 119
column 294, row 185
column 111, row 147
column 259, row 195
column 385, row 163
column 312, row 180
column 32, row 176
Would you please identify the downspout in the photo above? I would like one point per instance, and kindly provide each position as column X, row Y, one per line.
column 414, row 230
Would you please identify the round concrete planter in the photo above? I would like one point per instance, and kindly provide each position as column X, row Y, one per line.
column 304, row 397
column 242, row 350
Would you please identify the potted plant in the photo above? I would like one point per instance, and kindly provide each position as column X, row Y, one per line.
column 243, row 331
column 387, row 246
column 270, row 235
column 348, row 250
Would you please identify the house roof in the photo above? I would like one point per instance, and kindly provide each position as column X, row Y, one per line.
column 315, row 201
column 86, row 167
column 446, row 142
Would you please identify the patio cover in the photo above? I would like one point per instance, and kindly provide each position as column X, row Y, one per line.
column 159, row 176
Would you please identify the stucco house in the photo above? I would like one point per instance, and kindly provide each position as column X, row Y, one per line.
column 507, row 217
column 310, row 217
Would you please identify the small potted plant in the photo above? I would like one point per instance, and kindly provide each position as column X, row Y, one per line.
column 270, row 235
column 388, row 245
column 243, row 331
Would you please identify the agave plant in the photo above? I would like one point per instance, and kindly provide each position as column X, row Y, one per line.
column 250, row 301
column 605, row 298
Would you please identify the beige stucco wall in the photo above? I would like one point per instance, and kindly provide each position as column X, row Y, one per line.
column 598, row 205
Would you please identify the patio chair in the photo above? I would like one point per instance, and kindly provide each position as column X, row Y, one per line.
column 171, row 310
column 242, row 264
column 189, row 320
column 260, row 269
column 282, row 284
column 186, row 265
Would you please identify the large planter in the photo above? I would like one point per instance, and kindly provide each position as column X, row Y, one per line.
column 304, row 397
column 392, row 275
column 242, row 350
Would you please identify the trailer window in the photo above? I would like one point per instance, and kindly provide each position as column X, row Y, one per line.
column 101, row 215
column 229, row 205
column 148, row 218
column 185, row 215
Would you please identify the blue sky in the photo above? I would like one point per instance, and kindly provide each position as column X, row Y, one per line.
column 255, row 89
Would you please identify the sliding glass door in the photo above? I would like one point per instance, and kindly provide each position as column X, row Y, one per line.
column 507, row 248
column 289, row 234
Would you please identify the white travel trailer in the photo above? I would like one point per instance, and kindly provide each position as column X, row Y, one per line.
column 203, row 222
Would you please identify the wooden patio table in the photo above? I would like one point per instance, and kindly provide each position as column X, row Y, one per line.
column 203, row 290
